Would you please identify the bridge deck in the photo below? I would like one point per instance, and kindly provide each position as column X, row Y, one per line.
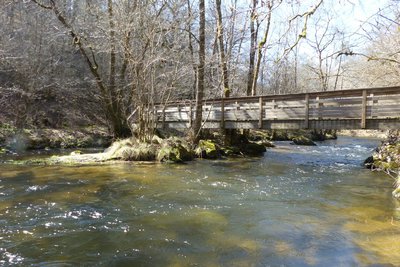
column 373, row 108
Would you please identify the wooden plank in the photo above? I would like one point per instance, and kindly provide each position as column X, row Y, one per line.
column 333, row 109
column 338, row 101
column 387, row 97
column 364, row 109
column 288, row 103
column 242, row 115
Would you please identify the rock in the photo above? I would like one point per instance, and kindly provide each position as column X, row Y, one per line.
column 265, row 143
column 368, row 162
column 302, row 141
column 253, row 149
column 208, row 149
column 175, row 151
column 317, row 135
column 279, row 135
column 230, row 151
column 257, row 136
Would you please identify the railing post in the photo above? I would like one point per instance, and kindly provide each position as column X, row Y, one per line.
column 307, row 112
column 273, row 107
column 179, row 111
column 163, row 116
column 222, row 114
column 260, row 119
column 374, row 102
column 319, row 106
column 190, row 115
column 364, row 110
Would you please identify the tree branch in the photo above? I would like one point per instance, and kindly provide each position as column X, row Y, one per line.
column 369, row 58
column 41, row 4
column 303, row 33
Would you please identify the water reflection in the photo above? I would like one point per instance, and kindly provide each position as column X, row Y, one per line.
column 297, row 206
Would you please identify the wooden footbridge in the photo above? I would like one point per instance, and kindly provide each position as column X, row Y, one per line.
column 372, row 108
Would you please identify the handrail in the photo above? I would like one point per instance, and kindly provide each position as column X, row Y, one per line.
column 324, row 94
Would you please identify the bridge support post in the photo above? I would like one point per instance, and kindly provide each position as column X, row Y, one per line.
column 307, row 112
column 364, row 110
column 260, row 119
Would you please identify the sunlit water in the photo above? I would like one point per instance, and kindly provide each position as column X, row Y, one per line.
column 296, row 206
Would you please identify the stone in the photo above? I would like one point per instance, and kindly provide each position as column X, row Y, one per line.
column 208, row 149
column 302, row 141
column 369, row 162
column 253, row 149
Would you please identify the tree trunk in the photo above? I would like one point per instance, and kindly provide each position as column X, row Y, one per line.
column 220, row 35
column 114, row 112
column 200, row 71
column 260, row 48
column 253, row 41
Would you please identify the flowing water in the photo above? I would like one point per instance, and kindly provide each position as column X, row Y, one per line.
column 296, row 206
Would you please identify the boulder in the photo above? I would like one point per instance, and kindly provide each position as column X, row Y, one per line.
column 208, row 149
column 369, row 162
column 253, row 149
column 302, row 141
column 265, row 143
column 279, row 135
column 174, row 150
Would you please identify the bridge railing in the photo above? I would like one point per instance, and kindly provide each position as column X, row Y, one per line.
column 255, row 112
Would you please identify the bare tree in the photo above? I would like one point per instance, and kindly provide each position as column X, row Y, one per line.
column 221, row 46
column 200, row 69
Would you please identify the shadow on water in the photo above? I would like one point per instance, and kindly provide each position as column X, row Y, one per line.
column 297, row 206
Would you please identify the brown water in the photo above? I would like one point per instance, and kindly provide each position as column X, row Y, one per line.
column 296, row 206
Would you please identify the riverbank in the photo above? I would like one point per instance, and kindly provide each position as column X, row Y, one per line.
column 168, row 150
column 19, row 140
column 379, row 134
column 387, row 159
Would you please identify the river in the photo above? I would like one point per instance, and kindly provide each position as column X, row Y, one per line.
column 296, row 206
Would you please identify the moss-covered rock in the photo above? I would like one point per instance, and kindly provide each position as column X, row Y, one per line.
column 174, row 150
column 208, row 149
column 279, row 135
column 303, row 141
column 257, row 135
column 230, row 151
